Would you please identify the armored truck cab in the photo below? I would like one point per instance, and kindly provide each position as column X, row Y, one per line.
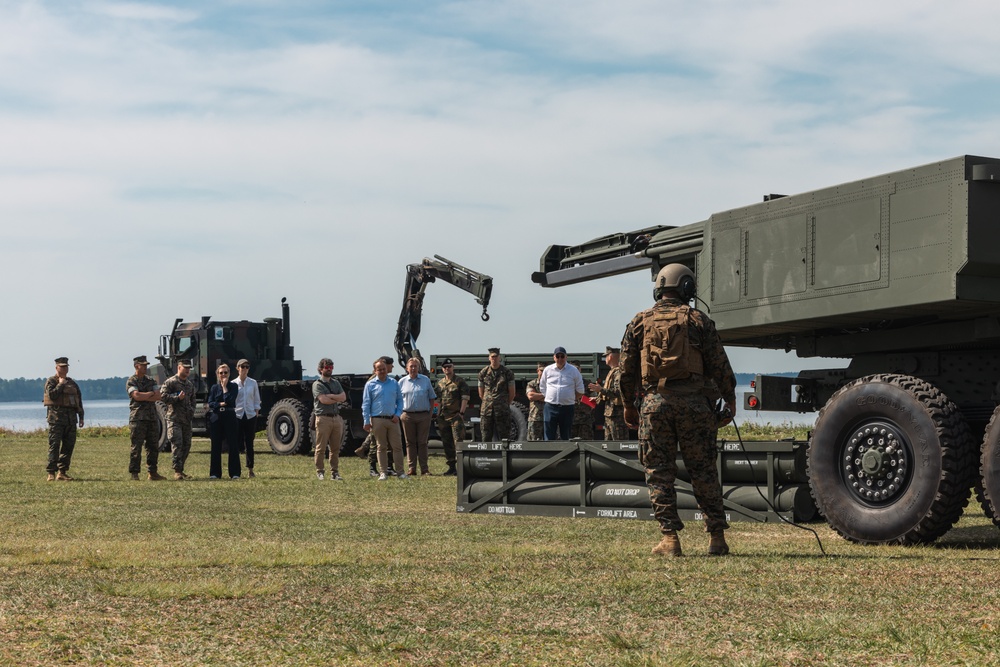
column 900, row 273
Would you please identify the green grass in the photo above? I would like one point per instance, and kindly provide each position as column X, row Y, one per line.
column 285, row 569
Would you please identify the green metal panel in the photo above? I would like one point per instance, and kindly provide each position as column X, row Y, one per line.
column 776, row 257
column 727, row 261
column 847, row 243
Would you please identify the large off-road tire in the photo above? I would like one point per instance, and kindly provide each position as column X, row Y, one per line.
column 890, row 461
column 988, row 488
column 984, row 502
column 288, row 427
column 161, row 420
column 518, row 422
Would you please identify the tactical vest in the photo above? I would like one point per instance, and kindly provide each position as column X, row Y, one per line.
column 667, row 352
column 68, row 398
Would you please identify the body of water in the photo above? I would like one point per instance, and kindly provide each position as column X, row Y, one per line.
column 29, row 416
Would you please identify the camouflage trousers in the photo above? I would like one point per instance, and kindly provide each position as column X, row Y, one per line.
column 536, row 431
column 179, row 435
column 584, row 431
column 452, row 431
column 62, row 439
column 494, row 421
column 690, row 421
column 144, row 433
column 615, row 429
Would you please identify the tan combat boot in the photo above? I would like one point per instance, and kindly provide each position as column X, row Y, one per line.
column 670, row 545
column 717, row 545
column 155, row 476
column 51, row 477
column 62, row 476
column 362, row 451
column 179, row 476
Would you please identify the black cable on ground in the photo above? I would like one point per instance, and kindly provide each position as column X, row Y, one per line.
column 769, row 503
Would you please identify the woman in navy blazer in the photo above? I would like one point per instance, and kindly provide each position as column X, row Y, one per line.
column 222, row 424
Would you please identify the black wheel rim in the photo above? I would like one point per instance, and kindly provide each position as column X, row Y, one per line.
column 876, row 462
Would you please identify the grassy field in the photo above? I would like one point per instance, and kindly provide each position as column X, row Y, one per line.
column 287, row 570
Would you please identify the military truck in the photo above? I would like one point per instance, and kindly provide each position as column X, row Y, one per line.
column 286, row 399
column 900, row 274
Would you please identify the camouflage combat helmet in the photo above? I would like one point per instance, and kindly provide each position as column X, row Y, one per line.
column 676, row 278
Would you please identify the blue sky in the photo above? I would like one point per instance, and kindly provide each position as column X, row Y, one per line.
column 164, row 160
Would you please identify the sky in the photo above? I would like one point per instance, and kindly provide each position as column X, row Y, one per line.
column 164, row 160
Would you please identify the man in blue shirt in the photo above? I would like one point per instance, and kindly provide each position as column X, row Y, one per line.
column 562, row 385
column 418, row 400
column 381, row 408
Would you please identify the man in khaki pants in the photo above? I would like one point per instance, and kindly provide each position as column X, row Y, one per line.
column 381, row 408
column 328, row 395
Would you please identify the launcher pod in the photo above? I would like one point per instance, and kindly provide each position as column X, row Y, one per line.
column 605, row 479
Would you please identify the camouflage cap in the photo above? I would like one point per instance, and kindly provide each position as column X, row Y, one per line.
column 494, row 350
column 612, row 350
column 141, row 359
column 62, row 361
column 186, row 363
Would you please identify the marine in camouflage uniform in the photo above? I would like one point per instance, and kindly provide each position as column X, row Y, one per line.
column 615, row 429
column 496, row 389
column 64, row 402
column 678, row 406
column 536, row 405
column 144, row 425
column 178, row 393
column 453, row 398
column 583, row 421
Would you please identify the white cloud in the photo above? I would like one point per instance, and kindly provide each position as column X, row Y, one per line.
column 142, row 11
column 144, row 147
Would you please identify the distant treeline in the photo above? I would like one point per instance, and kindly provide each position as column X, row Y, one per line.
column 21, row 389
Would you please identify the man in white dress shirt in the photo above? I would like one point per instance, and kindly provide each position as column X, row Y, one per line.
column 562, row 385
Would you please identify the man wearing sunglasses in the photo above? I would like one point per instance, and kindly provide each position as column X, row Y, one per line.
column 328, row 396
column 453, row 399
column 562, row 385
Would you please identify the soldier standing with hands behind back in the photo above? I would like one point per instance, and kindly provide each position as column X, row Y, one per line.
column 496, row 390
column 673, row 355
column 453, row 398
column 65, row 407
column 178, row 393
column 144, row 426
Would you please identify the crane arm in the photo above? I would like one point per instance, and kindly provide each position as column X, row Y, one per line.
column 418, row 276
